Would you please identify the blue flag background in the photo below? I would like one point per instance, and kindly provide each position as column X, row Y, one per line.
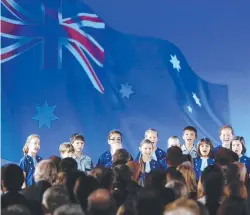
column 148, row 83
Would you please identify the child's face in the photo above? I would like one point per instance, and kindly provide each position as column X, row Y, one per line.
column 146, row 150
column 67, row 154
column 34, row 145
column 152, row 136
column 189, row 137
column 78, row 145
column 173, row 142
column 237, row 147
column 205, row 149
column 114, row 139
column 226, row 136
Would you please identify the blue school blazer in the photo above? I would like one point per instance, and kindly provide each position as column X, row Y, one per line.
column 197, row 165
column 245, row 160
column 154, row 165
column 217, row 148
column 105, row 160
column 28, row 166
column 160, row 154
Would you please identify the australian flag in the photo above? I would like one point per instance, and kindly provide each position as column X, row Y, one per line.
column 65, row 71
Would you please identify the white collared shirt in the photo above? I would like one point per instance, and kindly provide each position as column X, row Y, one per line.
column 147, row 167
column 186, row 152
column 84, row 163
column 204, row 163
column 153, row 156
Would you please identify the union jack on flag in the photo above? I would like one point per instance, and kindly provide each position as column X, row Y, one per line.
column 24, row 32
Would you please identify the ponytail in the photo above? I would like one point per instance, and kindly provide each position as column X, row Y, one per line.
column 141, row 164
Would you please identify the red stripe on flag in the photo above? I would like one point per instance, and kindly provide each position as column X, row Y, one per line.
column 91, row 47
column 85, row 18
column 19, row 50
column 14, row 11
column 79, row 51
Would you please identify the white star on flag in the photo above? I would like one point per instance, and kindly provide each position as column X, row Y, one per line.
column 176, row 63
column 189, row 108
column 197, row 100
column 126, row 90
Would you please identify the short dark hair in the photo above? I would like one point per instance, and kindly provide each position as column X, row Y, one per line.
column 85, row 186
column 121, row 155
column 12, row 177
column 191, row 128
column 208, row 142
column 104, row 176
column 56, row 160
column 242, row 141
column 174, row 156
column 173, row 174
column 187, row 157
column 75, row 137
column 225, row 156
column 68, row 165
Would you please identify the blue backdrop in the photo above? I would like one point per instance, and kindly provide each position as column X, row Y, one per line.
column 67, row 68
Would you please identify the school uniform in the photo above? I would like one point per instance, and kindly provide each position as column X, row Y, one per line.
column 193, row 152
column 245, row 160
column 200, row 164
column 28, row 164
column 157, row 155
column 148, row 167
column 84, row 163
column 105, row 160
column 217, row 148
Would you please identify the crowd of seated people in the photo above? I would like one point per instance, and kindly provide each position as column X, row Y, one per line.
column 188, row 178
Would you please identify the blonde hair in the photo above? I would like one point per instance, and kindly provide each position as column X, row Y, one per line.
column 26, row 145
column 200, row 190
column 66, row 147
column 114, row 132
column 188, row 173
column 173, row 138
column 45, row 171
column 150, row 130
column 145, row 141
column 242, row 170
column 60, row 178
column 190, row 205
column 236, row 189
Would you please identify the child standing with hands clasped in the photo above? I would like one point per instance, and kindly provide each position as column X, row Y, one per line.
column 30, row 158
column 205, row 154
